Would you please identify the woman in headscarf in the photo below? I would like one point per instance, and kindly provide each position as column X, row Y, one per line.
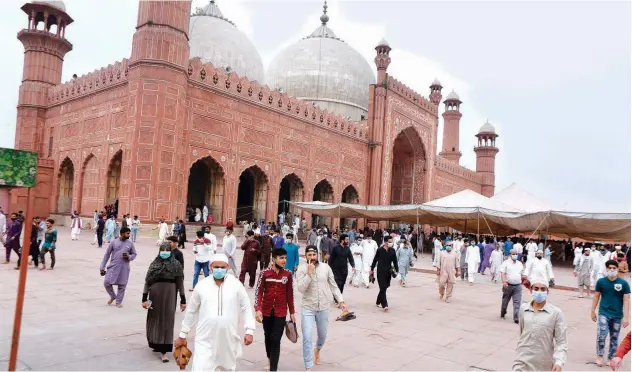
column 164, row 280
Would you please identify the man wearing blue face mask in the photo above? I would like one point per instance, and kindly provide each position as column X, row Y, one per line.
column 542, row 345
column 613, row 296
column 214, row 307
column 511, row 276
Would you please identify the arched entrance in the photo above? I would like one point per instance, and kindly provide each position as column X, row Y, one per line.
column 292, row 190
column 408, row 177
column 350, row 196
column 206, row 187
column 90, row 184
column 252, row 195
column 114, row 178
column 66, row 181
column 323, row 191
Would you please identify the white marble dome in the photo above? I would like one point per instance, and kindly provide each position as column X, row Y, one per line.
column 325, row 70
column 215, row 39
column 56, row 3
column 452, row 96
column 487, row 128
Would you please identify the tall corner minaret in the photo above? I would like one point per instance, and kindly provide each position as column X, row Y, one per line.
column 162, row 32
column 486, row 151
column 451, row 121
column 435, row 92
column 45, row 46
column 382, row 60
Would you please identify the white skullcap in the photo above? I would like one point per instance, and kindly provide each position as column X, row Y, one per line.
column 219, row 257
column 617, row 247
column 362, row 235
column 586, row 249
column 540, row 280
column 539, row 250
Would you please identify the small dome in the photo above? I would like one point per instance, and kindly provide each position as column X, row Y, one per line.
column 56, row 3
column 437, row 83
column 383, row 42
column 487, row 128
column 452, row 96
column 215, row 39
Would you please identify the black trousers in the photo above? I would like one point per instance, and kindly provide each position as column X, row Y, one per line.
column 100, row 238
column 383, row 282
column 340, row 278
column 52, row 256
column 273, row 327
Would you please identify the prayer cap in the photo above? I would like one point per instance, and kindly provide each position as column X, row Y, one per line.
column 540, row 280
column 362, row 235
column 219, row 257
column 617, row 247
column 586, row 249
column 539, row 250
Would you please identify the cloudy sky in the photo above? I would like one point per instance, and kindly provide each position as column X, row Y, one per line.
column 552, row 77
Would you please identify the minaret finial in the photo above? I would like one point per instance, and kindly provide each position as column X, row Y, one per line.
column 324, row 18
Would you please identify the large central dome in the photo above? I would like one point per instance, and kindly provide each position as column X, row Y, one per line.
column 325, row 70
column 215, row 39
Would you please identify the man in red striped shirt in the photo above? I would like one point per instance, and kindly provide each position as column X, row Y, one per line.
column 274, row 295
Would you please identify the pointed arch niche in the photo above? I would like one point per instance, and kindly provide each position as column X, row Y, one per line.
column 252, row 195
column 206, row 187
column 114, row 178
column 66, row 181
column 323, row 191
column 291, row 189
column 350, row 195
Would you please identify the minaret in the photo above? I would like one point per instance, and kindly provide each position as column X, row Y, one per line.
column 44, row 51
column 486, row 158
column 451, row 118
column 157, row 96
column 435, row 92
column 382, row 60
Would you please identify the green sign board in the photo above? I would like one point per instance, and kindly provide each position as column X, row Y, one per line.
column 17, row 168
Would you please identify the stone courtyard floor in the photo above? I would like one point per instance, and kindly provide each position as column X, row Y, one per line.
column 68, row 326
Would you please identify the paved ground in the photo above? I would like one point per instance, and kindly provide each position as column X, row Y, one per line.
column 68, row 326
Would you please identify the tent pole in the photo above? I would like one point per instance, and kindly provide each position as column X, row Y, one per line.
column 418, row 232
column 538, row 228
column 478, row 225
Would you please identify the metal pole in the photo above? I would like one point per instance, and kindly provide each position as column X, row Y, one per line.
column 19, row 302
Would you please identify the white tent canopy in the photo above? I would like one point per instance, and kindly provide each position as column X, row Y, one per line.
column 515, row 211
column 519, row 198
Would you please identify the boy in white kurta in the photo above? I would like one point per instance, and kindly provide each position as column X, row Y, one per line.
column 215, row 306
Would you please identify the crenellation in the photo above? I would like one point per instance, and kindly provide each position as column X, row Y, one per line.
column 272, row 98
column 411, row 95
column 89, row 83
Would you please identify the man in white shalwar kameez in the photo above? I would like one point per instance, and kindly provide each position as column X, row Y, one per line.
column 369, row 247
column 162, row 231
column 213, row 310
column 437, row 251
column 75, row 227
column 538, row 269
column 531, row 249
column 495, row 260
column 357, row 251
column 473, row 259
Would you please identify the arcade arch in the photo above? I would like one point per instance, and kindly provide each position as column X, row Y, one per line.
column 66, row 182
column 206, row 187
column 114, row 178
column 291, row 189
column 350, row 195
column 252, row 195
column 324, row 192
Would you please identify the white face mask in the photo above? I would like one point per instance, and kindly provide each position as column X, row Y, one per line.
column 288, row 241
column 612, row 273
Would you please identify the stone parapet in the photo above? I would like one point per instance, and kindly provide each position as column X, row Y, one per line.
column 90, row 83
column 410, row 95
column 231, row 84
column 457, row 170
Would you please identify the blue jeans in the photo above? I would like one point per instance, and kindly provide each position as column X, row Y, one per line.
column 605, row 325
column 197, row 266
column 309, row 318
column 134, row 232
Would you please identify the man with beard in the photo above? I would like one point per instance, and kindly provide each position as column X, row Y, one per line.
column 338, row 258
column 266, row 249
column 14, row 229
column 119, row 253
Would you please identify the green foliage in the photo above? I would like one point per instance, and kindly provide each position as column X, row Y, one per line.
column 17, row 168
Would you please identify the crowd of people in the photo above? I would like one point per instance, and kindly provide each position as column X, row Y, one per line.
column 333, row 259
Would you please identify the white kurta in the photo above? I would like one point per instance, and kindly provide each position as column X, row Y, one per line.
column 75, row 228
column 539, row 269
column 437, row 252
column 531, row 248
column 162, row 232
column 369, row 247
column 357, row 251
column 473, row 259
column 495, row 260
column 598, row 267
column 457, row 246
column 216, row 311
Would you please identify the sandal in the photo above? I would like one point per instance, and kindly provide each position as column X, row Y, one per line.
column 164, row 358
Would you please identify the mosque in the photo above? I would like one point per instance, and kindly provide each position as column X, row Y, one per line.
column 191, row 118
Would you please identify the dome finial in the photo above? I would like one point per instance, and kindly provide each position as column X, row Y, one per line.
column 324, row 18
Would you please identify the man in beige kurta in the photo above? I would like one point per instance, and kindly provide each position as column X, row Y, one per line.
column 448, row 270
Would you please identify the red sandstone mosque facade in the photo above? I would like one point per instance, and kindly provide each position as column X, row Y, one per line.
column 171, row 127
